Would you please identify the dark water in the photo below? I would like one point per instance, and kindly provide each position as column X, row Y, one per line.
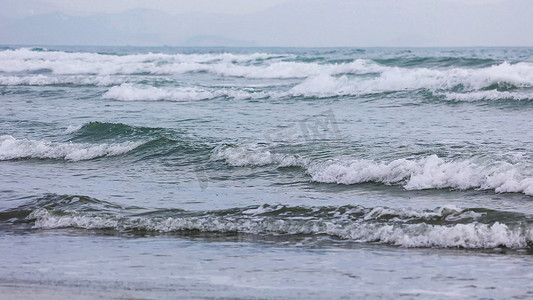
column 204, row 172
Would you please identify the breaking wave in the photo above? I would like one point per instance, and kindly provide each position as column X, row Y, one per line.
column 62, row 80
column 253, row 156
column 131, row 92
column 442, row 227
column 488, row 95
column 430, row 172
column 503, row 76
column 12, row 148
column 60, row 62
column 131, row 75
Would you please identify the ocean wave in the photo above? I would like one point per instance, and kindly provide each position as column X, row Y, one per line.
column 254, row 156
column 56, row 62
column 12, row 148
column 108, row 130
column 437, row 61
column 429, row 172
column 442, row 227
column 132, row 92
column 473, row 235
column 320, row 79
column 27, row 54
column 470, row 235
column 399, row 79
column 72, row 128
column 149, row 142
column 37, row 80
column 488, row 95
column 70, row 63
column 283, row 70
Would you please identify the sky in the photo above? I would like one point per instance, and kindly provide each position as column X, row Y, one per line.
column 170, row 6
column 322, row 23
column 87, row 7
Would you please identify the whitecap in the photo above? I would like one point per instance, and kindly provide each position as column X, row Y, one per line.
column 469, row 235
column 251, row 155
column 12, row 148
column 133, row 92
column 487, row 95
column 431, row 172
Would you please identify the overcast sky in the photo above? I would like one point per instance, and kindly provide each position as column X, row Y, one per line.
column 87, row 7
column 271, row 22
column 170, row 6
column 84, row 7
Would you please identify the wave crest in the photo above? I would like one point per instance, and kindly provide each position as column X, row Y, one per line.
column 392, row 79
column 12, row 148
column 443, row 227
column 430, row 172
column 132, row 92
column 254, row 156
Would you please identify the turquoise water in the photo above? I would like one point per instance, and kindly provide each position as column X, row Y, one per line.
column 250, row 172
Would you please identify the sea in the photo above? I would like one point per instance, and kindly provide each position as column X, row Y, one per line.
column 266, row 173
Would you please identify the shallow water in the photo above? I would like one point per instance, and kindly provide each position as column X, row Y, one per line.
column 157, row 172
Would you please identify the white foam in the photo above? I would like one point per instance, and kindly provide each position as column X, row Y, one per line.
column 12, row 148
column 261, row 209
column 251, row 155
column 225, row 64
column 73, row 128
column 320, row 77
column 324, row 86
column 487, row 95
column 319, row 83
column 58, row 80
column 59, row 62
column 399, row 79
column 132, row 92
column 293, row 69
column 450, row 212
column 45, row 220
column 429, row 172
column 470, row 235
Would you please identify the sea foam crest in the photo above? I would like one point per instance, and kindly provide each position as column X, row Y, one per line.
column 487, row 95
column 73, row 128
column 253, row 155
column 322, row 79
column 469, row 235
column 133, row 92
column 398, row 79
column 430, row 172
column 291, row 69
column 59, row 62
column 27, row 54
column 225, row 64
column 58, row 80
column 12, row 148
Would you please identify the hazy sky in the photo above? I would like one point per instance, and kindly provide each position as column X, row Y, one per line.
column 270, row 22
column 169, row 6
column 86, row 7
column 182, row 6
